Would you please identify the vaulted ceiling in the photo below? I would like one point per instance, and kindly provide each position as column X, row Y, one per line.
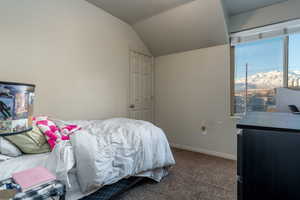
column 133, row 11
column 169, row 26
column 194, row 25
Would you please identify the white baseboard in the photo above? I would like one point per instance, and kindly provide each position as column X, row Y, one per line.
column 204, row 151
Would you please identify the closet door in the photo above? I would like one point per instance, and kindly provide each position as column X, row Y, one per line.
column 141, row 87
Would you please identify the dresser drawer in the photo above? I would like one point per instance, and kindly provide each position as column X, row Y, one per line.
column 239, row 189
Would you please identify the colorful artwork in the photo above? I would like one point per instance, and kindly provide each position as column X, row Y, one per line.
column 16, row 107
column 6, row 108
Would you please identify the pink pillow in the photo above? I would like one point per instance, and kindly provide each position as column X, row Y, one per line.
column 50, row 130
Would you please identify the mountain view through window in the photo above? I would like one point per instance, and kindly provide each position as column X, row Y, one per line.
column 264, row 60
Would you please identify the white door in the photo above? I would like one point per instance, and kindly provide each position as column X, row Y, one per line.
column 141, row 87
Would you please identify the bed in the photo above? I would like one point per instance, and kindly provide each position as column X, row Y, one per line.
column 102, row 153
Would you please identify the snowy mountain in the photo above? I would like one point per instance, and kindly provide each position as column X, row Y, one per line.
column 266, row 80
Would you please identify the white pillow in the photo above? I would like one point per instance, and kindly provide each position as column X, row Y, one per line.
column 8, row 149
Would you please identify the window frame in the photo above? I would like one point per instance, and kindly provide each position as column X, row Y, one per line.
column 232, row 72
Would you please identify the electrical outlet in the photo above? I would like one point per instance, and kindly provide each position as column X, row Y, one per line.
column 203, row 127
column 204, row 130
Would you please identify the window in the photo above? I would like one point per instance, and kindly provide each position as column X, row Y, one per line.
column 262, row 65
column 258, row 71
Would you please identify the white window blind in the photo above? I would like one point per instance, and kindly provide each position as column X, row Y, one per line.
column 275, row 30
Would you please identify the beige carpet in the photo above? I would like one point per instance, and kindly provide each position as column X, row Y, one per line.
column 195, row 177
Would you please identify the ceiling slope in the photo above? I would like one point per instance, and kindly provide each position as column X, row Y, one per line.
column 239, row 6
column 276, row 13
column 132, row 11
column 194, row 25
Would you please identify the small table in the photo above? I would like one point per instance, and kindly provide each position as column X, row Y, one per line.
column 52, row 189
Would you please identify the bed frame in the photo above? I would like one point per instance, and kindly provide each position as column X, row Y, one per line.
column 110, row 191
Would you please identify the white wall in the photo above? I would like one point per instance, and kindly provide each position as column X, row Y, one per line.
column 75, row 53
column 268, row 15
column 192, row 87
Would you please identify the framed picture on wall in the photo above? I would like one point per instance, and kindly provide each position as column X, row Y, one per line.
column 16, row 107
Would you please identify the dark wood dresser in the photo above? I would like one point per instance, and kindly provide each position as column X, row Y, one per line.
column 269, row 156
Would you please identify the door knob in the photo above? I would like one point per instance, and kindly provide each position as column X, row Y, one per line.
column 131, row 106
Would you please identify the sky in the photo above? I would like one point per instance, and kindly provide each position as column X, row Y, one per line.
column 266, row 55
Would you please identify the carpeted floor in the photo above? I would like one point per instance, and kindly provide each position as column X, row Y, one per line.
column 195, row 177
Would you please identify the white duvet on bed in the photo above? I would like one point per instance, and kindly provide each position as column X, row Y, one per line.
column 113, row 149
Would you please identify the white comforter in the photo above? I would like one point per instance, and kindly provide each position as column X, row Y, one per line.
column 107, row 151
